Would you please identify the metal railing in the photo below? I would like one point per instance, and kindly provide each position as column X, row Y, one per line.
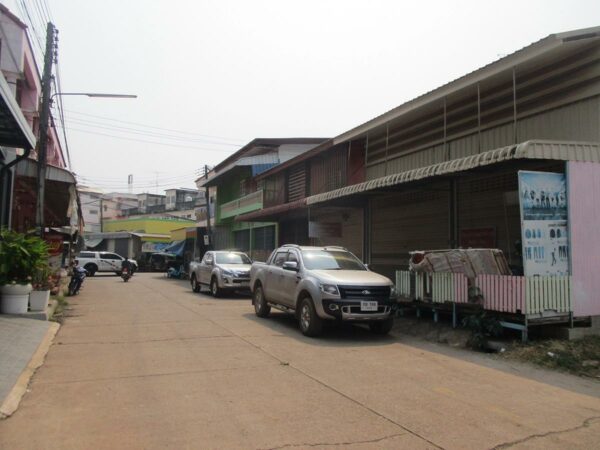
column 529, row 296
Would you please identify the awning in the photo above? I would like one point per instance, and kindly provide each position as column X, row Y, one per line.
column 175, row 248
column 152, row 237
column 271, row 212
column 28, row 168
column 14, row 129
column 555, row 150
column 93, row 243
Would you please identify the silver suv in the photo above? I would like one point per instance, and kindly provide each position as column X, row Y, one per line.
column 221, row 271
column 322, row 283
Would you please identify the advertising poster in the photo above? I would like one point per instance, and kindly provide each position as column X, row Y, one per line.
column 543, row 199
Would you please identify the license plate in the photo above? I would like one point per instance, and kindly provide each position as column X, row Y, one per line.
column 368, row 306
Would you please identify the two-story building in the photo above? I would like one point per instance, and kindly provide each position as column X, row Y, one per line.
column 453, row 168
column 234, row 192
column 21, row 75
column 91, row 208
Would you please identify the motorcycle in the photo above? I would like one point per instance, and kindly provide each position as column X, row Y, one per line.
column 125, row 274
column 79, row 274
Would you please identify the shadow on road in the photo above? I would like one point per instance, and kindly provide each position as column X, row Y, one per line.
column 335, row 334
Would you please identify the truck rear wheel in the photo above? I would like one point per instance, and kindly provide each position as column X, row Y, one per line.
column 195, row 285
column 310, row 322
column 261, row 307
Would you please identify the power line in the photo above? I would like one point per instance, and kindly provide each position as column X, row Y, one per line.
column 144, row 133
column 61, row 111
column 147, row 142
column 172, row 176
column 154, row 127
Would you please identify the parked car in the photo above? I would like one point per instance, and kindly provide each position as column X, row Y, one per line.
column 103, row 262
column 322, row 283
column 221, row 271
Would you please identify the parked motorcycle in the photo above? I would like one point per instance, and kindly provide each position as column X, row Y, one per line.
column 79, row 274
column 125, row 274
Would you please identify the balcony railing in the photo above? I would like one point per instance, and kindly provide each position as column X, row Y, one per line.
column 248, row 203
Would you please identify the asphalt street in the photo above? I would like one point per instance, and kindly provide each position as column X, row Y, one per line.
column 149, row 364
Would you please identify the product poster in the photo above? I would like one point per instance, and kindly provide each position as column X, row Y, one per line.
column 543, row 200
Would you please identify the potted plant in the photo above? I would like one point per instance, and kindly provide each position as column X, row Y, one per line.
column 21, row 256
column 43, row 283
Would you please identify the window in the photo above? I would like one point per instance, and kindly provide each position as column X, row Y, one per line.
column 331, row 260
column 208, row 258
column 93, row 212
column 279, row 259
column 86, row 255
column 110, row 256
column 232, row 258
column 292, row 256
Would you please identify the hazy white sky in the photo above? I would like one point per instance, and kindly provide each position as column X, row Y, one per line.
column 225, row 72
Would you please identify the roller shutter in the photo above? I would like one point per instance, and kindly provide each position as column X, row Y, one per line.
column 408, row 221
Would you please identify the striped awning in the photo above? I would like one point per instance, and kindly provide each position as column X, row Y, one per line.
column 554, row 150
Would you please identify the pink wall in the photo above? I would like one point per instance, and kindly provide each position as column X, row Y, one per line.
column 584, row 222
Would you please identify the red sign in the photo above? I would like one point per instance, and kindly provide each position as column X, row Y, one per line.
column 477, row 238
column 55, row 244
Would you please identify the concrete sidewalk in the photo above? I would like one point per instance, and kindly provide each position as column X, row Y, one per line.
column 20, row 340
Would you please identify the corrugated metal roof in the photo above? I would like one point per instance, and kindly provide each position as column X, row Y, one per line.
column 28, row 168
column 555, row 150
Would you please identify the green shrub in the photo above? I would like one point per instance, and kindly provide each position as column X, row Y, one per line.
column 22, row 257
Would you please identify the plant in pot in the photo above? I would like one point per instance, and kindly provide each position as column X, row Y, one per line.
column 21, row 256
column 43, row 283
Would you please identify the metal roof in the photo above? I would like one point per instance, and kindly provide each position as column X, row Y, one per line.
column 258, row 144
column 28, row 168
column 574, row 39
column 531, row 54
column 555, row 150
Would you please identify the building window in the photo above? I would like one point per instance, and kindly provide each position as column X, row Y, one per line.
column 93, row 211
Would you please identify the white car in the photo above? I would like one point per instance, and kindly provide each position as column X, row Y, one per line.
column 103, row 262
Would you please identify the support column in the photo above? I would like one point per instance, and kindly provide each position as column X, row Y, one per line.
column 453, row 238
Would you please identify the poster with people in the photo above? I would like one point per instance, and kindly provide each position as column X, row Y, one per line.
column 543, row 200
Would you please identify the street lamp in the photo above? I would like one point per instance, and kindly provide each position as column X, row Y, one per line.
column 42, row 154
column 93, row 94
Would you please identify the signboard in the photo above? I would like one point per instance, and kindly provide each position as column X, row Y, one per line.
column 153, row 247
column 477, row 238
column 55, row 243
column 324, row 229
column 543, row 200
column 206, row 240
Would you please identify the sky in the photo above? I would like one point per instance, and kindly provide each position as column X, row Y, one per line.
column 212, row 75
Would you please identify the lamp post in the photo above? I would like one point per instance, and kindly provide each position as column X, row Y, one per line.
column 43, row 143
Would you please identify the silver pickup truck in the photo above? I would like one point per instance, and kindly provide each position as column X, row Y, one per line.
column 322, row 283
column 221, row 271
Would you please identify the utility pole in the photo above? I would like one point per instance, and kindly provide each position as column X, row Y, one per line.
column 207, row 197
column 44, row 120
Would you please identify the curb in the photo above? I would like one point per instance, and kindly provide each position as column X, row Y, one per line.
column 13, row 399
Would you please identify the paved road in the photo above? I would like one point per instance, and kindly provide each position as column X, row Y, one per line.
column 149, row 364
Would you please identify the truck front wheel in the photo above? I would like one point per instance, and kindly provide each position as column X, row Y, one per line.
column 310, row 323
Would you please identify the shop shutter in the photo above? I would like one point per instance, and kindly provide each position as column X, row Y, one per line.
column 297, row 183
column 405, row 222
column 242, row 240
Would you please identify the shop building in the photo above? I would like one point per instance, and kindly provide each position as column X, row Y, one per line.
column 442, row 171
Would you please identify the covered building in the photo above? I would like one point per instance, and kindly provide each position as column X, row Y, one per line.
column 442, row 171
